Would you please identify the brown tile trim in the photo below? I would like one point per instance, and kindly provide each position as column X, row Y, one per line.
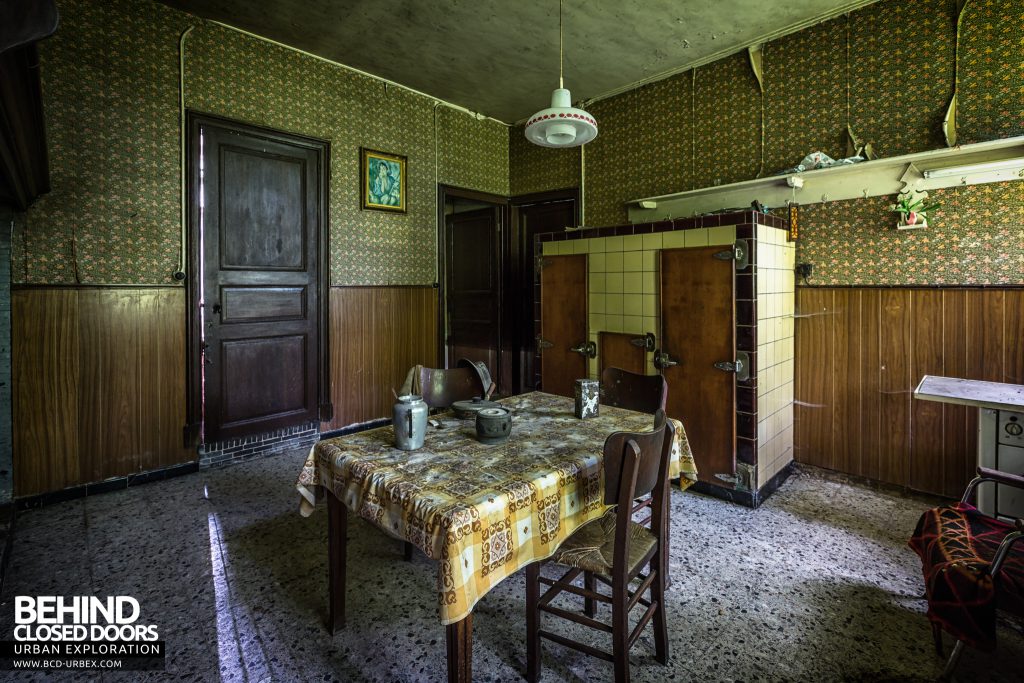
column 746, row 426
column 746, row 400
column 910, row 286
column 746, row 450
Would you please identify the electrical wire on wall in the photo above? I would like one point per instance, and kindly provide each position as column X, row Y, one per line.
column 437, row 201
column 583, row 184
column 179, row 274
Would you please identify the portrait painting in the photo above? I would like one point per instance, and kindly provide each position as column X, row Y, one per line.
column 383, row 180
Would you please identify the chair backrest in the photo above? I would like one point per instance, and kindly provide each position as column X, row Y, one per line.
column 624, row 389
column 441, row 387
column 649, row 449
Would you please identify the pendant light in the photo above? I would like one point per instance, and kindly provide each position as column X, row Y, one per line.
column 561, row 124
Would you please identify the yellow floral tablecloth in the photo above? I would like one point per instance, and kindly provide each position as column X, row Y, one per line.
column 483, row 512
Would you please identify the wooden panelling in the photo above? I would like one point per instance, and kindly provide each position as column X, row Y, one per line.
column 616, row 350
column 377, row 334
column 861, row 352
column 813, row 391
column 45, row 378
column 99, row 384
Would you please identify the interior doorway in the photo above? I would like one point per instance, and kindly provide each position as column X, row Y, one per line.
column 258, row 348
column 532, row 215
column 471, row 268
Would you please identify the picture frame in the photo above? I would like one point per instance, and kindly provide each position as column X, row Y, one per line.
column 382, row 181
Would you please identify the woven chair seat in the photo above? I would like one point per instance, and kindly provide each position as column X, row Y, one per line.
column 592, row 546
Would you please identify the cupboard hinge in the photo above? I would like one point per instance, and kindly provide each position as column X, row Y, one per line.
column 543, row 343
column 740, row 253
column 741, row 366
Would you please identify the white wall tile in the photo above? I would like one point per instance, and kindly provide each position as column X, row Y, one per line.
column 632, row 261
column 633, row 283
column 698, row 237
column 653, row 241
column 725, row 234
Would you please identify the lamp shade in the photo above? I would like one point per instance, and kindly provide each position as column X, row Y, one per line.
column 561, row 124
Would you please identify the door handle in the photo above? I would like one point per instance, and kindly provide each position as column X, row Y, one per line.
column 588, row 349
column 662, row 360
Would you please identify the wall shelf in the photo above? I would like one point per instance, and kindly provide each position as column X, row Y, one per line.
column 867, row 179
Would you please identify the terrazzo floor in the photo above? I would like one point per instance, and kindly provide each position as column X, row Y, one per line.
column 816, row 585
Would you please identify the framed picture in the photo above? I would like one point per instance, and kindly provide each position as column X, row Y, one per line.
column 383, row 180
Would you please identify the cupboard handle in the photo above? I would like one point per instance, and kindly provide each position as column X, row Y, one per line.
column 588, row 349
column 662, row 360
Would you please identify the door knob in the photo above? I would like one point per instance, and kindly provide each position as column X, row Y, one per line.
column 588, row 349
column 662, row 360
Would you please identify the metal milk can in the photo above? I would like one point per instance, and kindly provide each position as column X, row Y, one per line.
column 410, row 421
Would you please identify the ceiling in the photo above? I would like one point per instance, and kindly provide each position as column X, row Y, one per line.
column 500, row 57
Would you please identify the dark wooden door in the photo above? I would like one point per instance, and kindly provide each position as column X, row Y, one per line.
column 697, row 331
column 262, row 208
column 617, row 350
column 563, row 322
column 473, row 287
column 532, row 219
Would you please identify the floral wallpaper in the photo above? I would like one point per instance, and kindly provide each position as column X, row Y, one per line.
column 538, row 169
column 110, row 80
column 728, row 148
column 887, row 70
column 805, row 95
column 901, row 74
column 110, row 89
column 976, row 237
column 991, row 101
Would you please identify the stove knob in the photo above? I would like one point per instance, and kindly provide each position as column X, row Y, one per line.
column 1014, row 429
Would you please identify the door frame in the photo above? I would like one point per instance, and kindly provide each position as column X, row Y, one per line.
column 193, row 428
column 524, row 316
column 444, row 193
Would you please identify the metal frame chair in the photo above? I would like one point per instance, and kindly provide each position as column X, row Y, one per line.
column 994, row 567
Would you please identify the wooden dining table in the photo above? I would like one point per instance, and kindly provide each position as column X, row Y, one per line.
column 483, row 512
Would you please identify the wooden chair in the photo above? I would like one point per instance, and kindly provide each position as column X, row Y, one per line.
column 441, row 387
column 613, row 550
column 971, row 565
column 642, row 393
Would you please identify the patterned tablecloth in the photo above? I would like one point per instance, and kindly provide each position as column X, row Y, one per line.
column 482, row 511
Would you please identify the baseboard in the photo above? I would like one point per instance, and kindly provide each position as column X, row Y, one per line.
column 115, row 484
column 8, row 513
column 748, row 498
column 355, row 429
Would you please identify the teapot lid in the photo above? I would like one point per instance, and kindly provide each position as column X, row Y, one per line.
column 409, row 398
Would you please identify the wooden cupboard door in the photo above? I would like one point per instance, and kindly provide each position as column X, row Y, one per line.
column 698, row 330
column 563, row 322
column 616, row 350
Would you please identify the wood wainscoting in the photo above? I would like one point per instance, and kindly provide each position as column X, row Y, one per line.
column 98, row 380
column 377, row 334
column 861, row 351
